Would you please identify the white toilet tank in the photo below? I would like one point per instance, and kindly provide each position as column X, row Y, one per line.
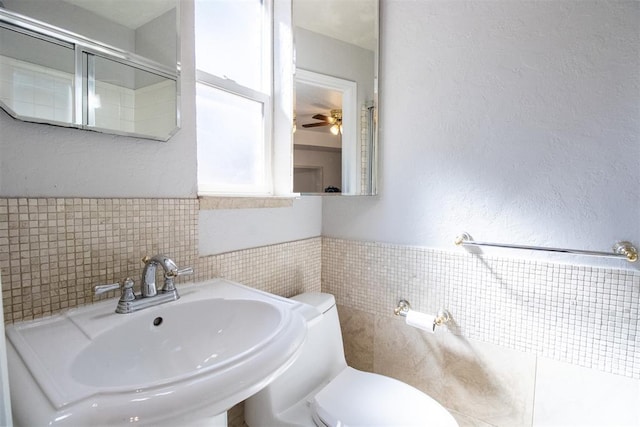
column 320, row 360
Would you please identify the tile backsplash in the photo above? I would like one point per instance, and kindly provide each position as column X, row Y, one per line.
column 54, row 250
column 581, row 315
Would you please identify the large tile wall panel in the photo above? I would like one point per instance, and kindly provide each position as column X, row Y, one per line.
column 572, row 396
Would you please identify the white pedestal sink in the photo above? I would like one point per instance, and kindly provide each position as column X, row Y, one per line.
column 177, row 363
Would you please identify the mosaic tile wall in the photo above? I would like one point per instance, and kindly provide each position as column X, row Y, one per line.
column 284, row 269
column 582, row 315
column 53, row 251
column 365, row 152
column 364, row 149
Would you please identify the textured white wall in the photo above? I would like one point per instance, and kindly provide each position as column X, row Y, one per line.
column 515, row 121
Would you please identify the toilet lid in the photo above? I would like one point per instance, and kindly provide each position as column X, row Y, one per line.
column 356, row 399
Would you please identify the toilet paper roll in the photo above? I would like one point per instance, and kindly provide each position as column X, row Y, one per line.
column 420, row 320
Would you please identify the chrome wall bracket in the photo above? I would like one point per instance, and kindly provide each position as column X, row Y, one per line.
column 402, row 308
column 627, row 250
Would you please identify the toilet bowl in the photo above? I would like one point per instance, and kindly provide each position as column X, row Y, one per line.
column 319, row 389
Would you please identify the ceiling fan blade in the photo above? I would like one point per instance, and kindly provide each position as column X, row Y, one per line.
column 323, row 117
column 313, row 125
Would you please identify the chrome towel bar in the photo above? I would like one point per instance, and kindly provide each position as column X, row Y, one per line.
column 621, row 250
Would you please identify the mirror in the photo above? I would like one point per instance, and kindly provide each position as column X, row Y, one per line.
column 104, row 66
column 335, row 138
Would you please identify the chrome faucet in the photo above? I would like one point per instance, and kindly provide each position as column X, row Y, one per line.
column 149, row 288
column 149, row 295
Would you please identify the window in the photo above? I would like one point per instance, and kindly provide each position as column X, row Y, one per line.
column 234, row 97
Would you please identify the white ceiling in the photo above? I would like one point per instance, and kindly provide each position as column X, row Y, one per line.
column 352, row 21
column 316, row 98
column 130, row 13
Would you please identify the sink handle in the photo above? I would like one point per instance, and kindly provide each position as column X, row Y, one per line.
column 179, row 272
column 127, row 291
column 101, row 289
column 184, row 271
column 169, row 285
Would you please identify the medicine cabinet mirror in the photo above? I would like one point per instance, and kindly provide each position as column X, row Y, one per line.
column 336, row 102
column 106, row 66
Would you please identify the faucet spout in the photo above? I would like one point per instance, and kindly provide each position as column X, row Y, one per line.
column 148, row 286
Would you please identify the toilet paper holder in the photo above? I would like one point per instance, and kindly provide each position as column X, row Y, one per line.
column 403, row 308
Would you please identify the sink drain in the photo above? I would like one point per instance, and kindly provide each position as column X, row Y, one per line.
column 157, row 321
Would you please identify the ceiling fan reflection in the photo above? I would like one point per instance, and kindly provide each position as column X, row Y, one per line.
column 334, row 120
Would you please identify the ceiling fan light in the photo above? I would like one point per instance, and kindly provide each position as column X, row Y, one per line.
column 335, row 129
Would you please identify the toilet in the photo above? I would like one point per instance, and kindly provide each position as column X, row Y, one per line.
column 319, row 389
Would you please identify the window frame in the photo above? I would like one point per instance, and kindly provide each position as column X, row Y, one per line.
column 233, row 88
column 277, row 108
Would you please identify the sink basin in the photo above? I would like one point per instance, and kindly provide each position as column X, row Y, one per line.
column 182, row 361
column 158, row 351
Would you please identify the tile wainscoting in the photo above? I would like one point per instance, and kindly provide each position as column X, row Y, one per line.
column 511, row 319
column 54, row 250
